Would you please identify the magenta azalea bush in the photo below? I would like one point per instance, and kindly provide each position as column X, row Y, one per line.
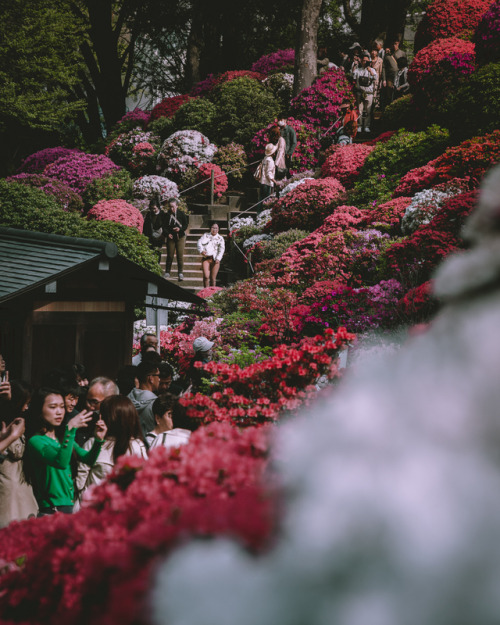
column 274, row 61
column 78, row 169
column 439, row 68
column 306, row 152
column 37, row 162
column 68, row 199
column 345, row 162
column 182, row 150
column 387, row 216
column 487, row 36
column 220, row 180
column 134, row 118
column 205, row 86
column 319, row 105
column 118, row 211
column 307, row 206
column 416, row 180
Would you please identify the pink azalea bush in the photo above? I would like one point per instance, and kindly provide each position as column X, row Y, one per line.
column 78, row 169
column 143, row 157
column 308, row 145
column 134, row 118
column 449, row 18
column 119, row 211
column 274, row 61
column 68, row 199
column 438, row 69
column 388, row 214
column 208, row 291
column 184, row 149
column 345, row 162
column 307, row 206
column 416, row 180
column 487, row 36
column 220, row 180
column 319, row 104
column 122, row 150
column 37, row 162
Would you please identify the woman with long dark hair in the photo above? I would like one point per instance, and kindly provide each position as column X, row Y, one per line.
column 50, row 448
column 123, row 438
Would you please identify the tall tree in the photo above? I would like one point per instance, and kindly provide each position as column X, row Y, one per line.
column 379, row 18
column 306, row 52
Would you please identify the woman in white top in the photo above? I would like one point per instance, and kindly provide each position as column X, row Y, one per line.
column 166, row 433
column 123, row 438
column 211, row 247
column 267, row 177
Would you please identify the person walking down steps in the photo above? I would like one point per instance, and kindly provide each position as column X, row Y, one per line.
column 176, row 223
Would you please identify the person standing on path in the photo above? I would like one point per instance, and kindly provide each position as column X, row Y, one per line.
column 211, row 247
column 290, row 137
column 366, row 78
column 153, row 227
column 176, row 223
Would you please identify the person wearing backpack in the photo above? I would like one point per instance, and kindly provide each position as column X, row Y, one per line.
column 365, row 78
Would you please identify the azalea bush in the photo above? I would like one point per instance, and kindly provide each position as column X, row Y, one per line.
column 474, row 107
column 204, row 87
column 319, row 105
column 305, row 156
column 119, row 211
column 41, row 213
column 344, row 162
column 439, row 68
column 133, row 119
column 418, row 305
column 262, row 391
column 149, row 187
column 487, row 35
column 365, row 247
column 389, row 161
column 449, row 18
column 122, row 150
column 276, row 246
column 387, row 216
column 232, row 159
column 239, row 73
column 37, row 162
column 195, row 114
column 307, row 206
column 182, row 150
column 217, row 484
column 66, row 197
column 415, row 180
column 274, row 61
column 243, row 107
column 401, row 114
column 204, row 173
column 281, row 84
column 117, row 185
column 169, row 106
column 78, row 169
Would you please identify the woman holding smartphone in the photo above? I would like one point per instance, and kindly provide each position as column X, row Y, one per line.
column 50, row 448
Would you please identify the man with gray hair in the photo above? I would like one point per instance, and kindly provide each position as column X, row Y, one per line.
column 99, row 388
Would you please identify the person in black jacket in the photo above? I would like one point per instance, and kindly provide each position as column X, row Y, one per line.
column 154, row 227
column 176, row 223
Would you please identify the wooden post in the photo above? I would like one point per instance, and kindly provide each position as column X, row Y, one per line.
column 212, row 185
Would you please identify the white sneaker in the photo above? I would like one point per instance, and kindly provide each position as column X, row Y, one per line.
column 166, row 275
column 367, row 130
column 181, row 277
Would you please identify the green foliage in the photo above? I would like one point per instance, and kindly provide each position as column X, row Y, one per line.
column 389, row 161
column 243, row 107
column 196, row 114
column 280, row 243
column 232, row 157
column 244, row 356
column 474, row 108
column 281, row 86
column 29, row 208
column 39, row 63
column 399, row 114
column 163, row 127
column 116, row 186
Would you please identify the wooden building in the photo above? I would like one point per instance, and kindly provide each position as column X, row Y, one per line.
column 66, row 300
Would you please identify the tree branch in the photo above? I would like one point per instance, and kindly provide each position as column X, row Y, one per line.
column 349, row 15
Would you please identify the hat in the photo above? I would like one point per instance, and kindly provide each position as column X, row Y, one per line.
column 202, row 344
column 365, row 54
column 270, row 149
column 355, row 45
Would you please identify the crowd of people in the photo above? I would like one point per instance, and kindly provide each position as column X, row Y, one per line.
column 58, row 441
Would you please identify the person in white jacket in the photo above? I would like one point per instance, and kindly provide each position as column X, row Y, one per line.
column 211, row 247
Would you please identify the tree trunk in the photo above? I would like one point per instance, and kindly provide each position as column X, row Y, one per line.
column 194, row 49
column 307, row 46
column 385, row 19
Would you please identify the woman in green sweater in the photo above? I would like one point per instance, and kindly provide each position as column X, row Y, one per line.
column 50, row 448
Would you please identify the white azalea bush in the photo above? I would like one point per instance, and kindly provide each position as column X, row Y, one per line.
column 184, row 149
column 147, row 187
column 256, row 238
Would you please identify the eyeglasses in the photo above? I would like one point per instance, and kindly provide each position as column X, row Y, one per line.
column 94, row 402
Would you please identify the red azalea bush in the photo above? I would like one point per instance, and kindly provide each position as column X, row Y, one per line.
column 319, row 104
column 97, row 566
column 487, row 36
column 471, row 159
column 119, row 211
column 388, row 214
column 454, row 212
column 307, row 206
column 208, row 291
column 274, row 61
column 439, row 68
column 204, row 87
column 448, row 18
column 382, row 138
column 305, row 155
column 263, row 390
column 323, row 255
column 169, row 106
column 68, row 199
column 418, row 305
column 220, row 180
column 143, row 158
column 134, row 118
column 78, row 169
column 345, row 162
column 37, row 162
column 416, row 180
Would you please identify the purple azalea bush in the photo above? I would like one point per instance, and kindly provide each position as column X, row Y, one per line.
column 274, row 61
column 37, row 162
column 68, row 199
column 78, row 169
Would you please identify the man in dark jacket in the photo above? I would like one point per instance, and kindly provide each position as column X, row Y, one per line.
column 176, row 223
column 290, row 137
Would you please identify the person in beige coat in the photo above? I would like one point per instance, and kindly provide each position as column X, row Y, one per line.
column 267, row 176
